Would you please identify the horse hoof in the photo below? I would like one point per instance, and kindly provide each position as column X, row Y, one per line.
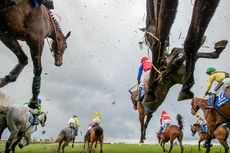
column 2, row 82
column 141, row 141
column 20, row 145
column 33, row 104
column 221, row 44
column 185, row 95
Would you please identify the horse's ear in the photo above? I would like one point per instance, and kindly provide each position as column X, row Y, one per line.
column 67, row 35
column 47, row 112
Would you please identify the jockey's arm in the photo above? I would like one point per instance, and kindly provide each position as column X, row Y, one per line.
column 211, row 79
column 139, row 73
column 197, row 120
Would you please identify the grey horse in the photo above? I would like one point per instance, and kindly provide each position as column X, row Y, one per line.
column 16, row 118
column 67, row 134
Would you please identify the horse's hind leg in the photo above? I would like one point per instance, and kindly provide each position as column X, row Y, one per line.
column 224, row 144
column 11, row 140
column 64, row 145
column 202, row 14
column 59, row 145
column 15, row 47
column 36, row 48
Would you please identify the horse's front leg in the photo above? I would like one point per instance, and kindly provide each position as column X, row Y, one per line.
column 202, row 14
column 73, row 142
column 149, row 116
column 15, row 47
column 141, row 119
column 36, row 49
column 11, row 140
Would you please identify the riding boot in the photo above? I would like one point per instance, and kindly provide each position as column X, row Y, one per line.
column 211, row 106
column 161, row 128
column 36, row 120
column 135, row 105
column 138, row 98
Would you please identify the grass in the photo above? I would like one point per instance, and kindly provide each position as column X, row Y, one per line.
column 111, row 148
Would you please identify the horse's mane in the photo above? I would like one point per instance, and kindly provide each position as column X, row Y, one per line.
column 4, row 100
column 55, row 21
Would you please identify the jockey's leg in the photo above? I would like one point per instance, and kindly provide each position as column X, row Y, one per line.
column 211, row 106
column 36, row 120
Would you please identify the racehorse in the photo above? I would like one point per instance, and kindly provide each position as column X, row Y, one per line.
column 67, row 134
column 172, row 132
column 159, row 19
column 221, row 134
column 97, row 134
column 213, row 117
column 32, row 25
column 17, row 119
column 171, row 75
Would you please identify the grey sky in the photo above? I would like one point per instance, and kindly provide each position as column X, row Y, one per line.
column 101, row 64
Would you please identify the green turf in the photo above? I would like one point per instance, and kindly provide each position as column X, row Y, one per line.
column 109, row 148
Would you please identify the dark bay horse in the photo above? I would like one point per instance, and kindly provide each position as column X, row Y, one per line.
column 159, row 19
column 17, row 121
column 67, row 134
column 32, row 25
column 221, row 134
column 171, row 75
column 213, row 117
column 97, row 134
column 172, row 132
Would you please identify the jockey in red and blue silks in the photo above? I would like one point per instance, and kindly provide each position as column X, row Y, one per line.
column 165, row 120
column 143, row 75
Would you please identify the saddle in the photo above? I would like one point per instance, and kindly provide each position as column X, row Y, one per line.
column 205, row 130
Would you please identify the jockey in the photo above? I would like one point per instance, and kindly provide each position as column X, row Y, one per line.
column 96, row 119
column 35, row 112
column 165, row 120
column 143, row 75
column 73, row 121
column 223, row 81
column 200, row 120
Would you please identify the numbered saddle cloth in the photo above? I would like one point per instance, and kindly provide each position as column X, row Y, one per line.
column 205, row 130
column 31, row 118
column 220, row 100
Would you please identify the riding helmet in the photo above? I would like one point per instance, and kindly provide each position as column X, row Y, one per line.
column 39, row 101
column 75, row 116
column 197, row 114
column 210, row 69
column 144, row 59
column 163, row 112
column 97, row 113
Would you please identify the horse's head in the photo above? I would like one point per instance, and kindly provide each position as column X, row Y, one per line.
column 42, row 119
column 195, row 106
column 193, row 129
column 59, row 46
column 158, row 136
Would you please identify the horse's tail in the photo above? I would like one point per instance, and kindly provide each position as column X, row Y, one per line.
column 179, row 120
column 60, row 137
column 98, row 131
column 4, row 104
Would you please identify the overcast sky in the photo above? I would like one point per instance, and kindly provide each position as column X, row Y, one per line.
column 101, row 63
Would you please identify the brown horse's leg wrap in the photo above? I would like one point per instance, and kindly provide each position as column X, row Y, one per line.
column 35, row 90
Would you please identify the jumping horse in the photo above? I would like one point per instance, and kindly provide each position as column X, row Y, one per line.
column 214, row 117
column 97, row 134
column 159, row 20
column 221, row 134
column 67, row 134
column 172, row 132
column 171, row 75
column 32, row 25
column 17, row 121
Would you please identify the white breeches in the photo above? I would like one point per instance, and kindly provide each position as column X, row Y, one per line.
column 144, row 78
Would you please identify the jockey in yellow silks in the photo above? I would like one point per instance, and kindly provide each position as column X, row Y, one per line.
column 73, row 121
column 223, row 80
column 201, row 121
column 35, row 112
column 96, row 119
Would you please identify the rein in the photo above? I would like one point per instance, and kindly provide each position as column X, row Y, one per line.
column 200, row 100
column 55, row 32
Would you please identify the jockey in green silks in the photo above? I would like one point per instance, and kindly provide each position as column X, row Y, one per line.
column 35, row 112
column 223, row 80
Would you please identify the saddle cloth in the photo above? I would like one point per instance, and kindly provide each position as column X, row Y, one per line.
column 205, row 130
column 164, row 129
column 73, row 131
column 142, row 92
column 31, row 118
column 220, row 100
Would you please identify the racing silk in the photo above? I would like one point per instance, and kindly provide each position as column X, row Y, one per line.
column 200, row 118
column 145, row 66
column 73, row 120
column 34, row 111
column 96, row 116
column 218, row 77
column 164, row 117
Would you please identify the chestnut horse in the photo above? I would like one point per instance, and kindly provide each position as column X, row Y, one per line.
column 32, row 25
column 172, row 132
column 159, row 19
column 97, row 134
column 213, row 117
column 221, row 134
